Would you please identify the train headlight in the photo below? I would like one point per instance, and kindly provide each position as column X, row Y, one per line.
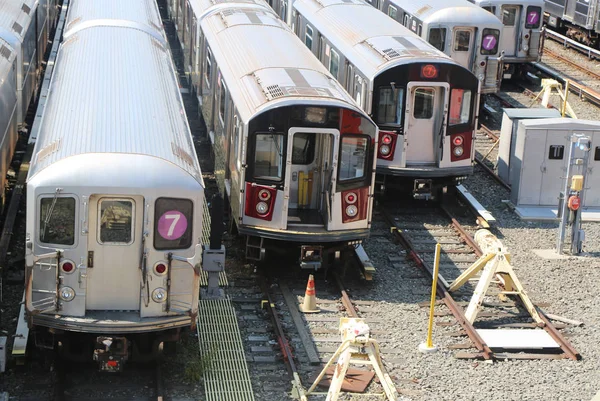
column 159, row 295
column 481, row 77
column 262, row 208
column 352, row 210
column 66, row 294
column 458, row 151
column 525, row 48
column 384, row 150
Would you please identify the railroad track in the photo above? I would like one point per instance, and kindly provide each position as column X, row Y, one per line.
column 418, row 232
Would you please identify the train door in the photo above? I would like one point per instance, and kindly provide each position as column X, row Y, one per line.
column 511, row 15
column 311, row 174
column 426, row 107
column 463, row 46
column 114, row 252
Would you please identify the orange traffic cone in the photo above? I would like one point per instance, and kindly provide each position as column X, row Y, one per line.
column 310, row 299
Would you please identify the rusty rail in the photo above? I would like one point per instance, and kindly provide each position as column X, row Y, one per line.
column 346, row 301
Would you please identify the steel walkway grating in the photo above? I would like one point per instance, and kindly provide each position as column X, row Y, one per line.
column 223, row 282
column 226, row 376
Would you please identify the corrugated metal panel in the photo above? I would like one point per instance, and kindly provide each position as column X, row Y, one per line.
column 245, row 54
column 12, row 15
column 114, row 91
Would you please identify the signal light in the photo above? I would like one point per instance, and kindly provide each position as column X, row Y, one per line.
column 160, row 268
column 264, row 195
column 67, row 266
column 574, row 202
column 458, row 140
column 429, row 71
column 351, row 197
column 386, row 139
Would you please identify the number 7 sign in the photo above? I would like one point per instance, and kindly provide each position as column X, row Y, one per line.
column 172, row 225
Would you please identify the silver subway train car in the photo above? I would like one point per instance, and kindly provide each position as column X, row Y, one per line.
column 522, row 39
column 424, row 103
column 467, row 33
column 293, row 152
column 115, row 194
column 577, row 19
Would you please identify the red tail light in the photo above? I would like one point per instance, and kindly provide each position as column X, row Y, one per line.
column 460, row 146
column 67, row 266
column 387, row 145
column 354, row 204
column 260, row 201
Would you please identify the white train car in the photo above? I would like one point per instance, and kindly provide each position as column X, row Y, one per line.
column 467, row 33
column 424, row 103
column 293, row 152
column 19, row 22
column 8, row 110
column 522, row 40
column 115, row 194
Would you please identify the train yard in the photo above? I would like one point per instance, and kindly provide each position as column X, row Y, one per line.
column 284, row 349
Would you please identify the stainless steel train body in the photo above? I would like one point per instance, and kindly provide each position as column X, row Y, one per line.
column 578, row 19
column 522, row 38
column 467, row 33
column 114, row 193
column 293, row 152
column 24, row 25
column 424, row 103
column 8, row 110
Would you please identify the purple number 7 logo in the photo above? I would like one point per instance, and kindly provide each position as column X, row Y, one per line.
column 533, row 17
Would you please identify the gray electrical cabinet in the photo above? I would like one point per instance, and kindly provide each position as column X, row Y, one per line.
column 510, row 121
column 539, row 161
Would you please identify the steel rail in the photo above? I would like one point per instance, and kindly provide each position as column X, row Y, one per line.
column 572, row 64
column 581, row 90
column 482, row 163
column 568, row 42
column 346, row 301
column 442, row 292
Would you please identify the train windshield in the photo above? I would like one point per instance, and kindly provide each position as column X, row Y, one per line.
column 389, row 108
column 460, row 106
column 533, row 17
column 57, row 221
column 268, row 157
column 353, row 157
column 489, row 41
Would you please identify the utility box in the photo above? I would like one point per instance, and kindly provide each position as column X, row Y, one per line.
column 539, row 161
column 510, row 121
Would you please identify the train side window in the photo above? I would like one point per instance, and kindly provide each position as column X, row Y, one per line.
column 57, row 221
column 358, row 90
column 509, row 16
column 389, row 106
column 268, row 157
column 308, row 37
column 597, row 153
column 420, row 31
column 423, row 107
column 437, row 38
column 173, row 218
column 392, row 11
column 491, row 9
column 533, row 17
column 353, row 157
column 222, row 92
column 406, row 20
column 115, row 221
column 489, row 41
column 208, row 71
column 334, row 64
column 303, row 148
column 462, row 39
column 460, row 106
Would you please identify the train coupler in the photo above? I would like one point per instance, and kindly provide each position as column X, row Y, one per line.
column 311, row 257
column 423, row 189
column 111, row 353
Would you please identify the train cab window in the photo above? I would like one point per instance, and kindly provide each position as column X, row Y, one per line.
column 268, row 157
column 392, row 11
column 462, row 39
column 489, row 41
column 353, row 157
column 597, row 153
column 57, row 221
column 173, row 218
column 308, row 37
column 509, row 16
column 460, row 106
column 115, row 221
column 389, row 107
column 491, row 9
column 303, row 148
column 208, row 71
column 423, row 107
column 533, row 17
column 334, row 63
column 406, row 20
column 437, row 38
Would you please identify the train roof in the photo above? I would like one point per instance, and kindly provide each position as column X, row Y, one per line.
column 138, row 14
column 455, row 11
column 369, row 39
column 203, row 7
column 498, row 3
column 15, row 17
column 114, row 90
column 267, row 64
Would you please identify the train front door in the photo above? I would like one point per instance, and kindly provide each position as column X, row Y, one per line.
column 426, row 107
column 511, row 17
column 114, row 252
column 311, row 175
column 463, row 46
